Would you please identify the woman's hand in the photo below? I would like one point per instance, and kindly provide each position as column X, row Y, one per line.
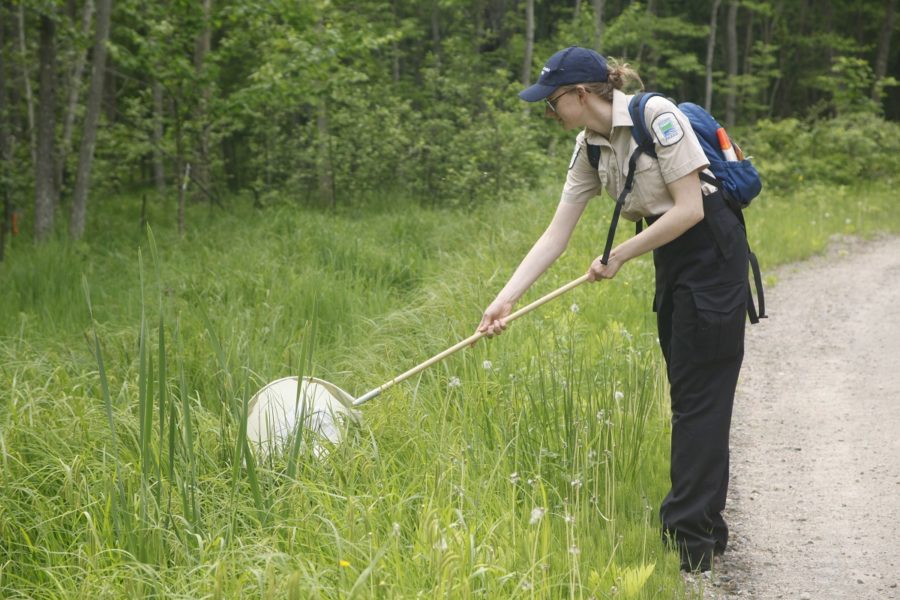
column 494, row 320
column 600, row 271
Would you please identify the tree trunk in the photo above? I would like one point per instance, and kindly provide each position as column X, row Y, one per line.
column 710, row 54
column 651, row 11
column 180, row 166
column 395, row 62
column 395, row 45
column 44, row 172
column 529, row 43
column 747, row 67
column 74, row 93
column 598, row 24
column 768, row 29
column 326, row 173
column 884, row 47
column 576, row 11
column 436, row 34
column 91, row 121
column 201, row 166
column 26, row 77
column 5, row 161
column 159, row 165
column 732, row 46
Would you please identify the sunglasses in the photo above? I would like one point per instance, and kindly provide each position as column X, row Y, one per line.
column 551, row 102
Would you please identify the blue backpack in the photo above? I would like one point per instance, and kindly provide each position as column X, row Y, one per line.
column 738, row 181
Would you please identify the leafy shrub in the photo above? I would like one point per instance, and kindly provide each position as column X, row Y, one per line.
column 846, row 150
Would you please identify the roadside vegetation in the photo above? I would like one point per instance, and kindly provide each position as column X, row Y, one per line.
column 529, row 466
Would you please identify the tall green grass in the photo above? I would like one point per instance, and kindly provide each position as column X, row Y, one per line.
column 529, row 466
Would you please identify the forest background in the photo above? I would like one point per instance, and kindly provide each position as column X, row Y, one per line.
column 329, row 103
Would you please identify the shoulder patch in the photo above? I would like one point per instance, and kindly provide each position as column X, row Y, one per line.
column 667, row 129
column 575, row 155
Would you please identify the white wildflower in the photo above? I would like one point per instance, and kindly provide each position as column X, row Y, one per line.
column 454, row 382
column 514, row 478
column 574, row 550
column 574, row 308
column 537, row 513
column 441, row 545
column 576, row 483
column 618, row 396
column 601, row 415
column 396, row 528
column 569, row 519
column 525, row 585
column 488, row 365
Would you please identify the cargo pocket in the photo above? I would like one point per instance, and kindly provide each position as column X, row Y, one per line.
column 719, row 332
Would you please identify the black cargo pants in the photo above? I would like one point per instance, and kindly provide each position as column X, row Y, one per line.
column 701, row 303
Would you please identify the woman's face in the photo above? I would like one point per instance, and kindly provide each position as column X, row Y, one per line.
column 564, row 106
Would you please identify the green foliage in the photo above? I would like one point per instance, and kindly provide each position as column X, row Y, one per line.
column 853, row 149
column 663, row 48
column 849, row 84
column 121, row 462
column 333, row 102
column 753, row 87
column 140, row 423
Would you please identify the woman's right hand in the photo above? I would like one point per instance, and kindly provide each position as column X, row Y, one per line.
column 494, row 320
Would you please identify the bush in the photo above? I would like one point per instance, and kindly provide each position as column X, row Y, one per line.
column 844, row 150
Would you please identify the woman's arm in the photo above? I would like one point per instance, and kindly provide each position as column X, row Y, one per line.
column 687, row 212
column 545, row 251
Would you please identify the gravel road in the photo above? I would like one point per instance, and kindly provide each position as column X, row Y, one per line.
column 814, row 505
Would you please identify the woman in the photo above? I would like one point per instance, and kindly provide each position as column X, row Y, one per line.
column 701, row 257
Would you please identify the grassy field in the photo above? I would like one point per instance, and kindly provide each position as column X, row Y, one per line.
column 530, row 466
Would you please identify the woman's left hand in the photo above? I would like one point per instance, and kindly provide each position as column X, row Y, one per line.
column 600, row 271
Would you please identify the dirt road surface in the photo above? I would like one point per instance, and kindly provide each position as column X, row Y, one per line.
column 814, row 504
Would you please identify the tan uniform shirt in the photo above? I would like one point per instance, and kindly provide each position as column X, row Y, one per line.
column 678, row 153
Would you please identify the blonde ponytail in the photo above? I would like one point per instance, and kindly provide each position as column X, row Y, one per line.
column 621, row 77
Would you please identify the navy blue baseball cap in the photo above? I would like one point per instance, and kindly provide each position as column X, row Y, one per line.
column 568, row 66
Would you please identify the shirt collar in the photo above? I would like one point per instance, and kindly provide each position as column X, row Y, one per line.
column 620, row 118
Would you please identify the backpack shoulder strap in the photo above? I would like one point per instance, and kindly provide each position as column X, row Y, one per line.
column 639, row 131
column 644, row 146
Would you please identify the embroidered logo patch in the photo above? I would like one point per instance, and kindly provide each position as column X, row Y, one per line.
column 667, row 129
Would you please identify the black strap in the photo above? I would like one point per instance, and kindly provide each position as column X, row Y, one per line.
column 593, row 152
column 752, row 312
column 704, row 176
column 620, row 202
column 760, row 295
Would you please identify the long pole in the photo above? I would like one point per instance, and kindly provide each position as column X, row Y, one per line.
column 468, row 341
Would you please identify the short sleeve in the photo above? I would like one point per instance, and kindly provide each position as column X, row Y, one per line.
column 677, row 148
column 582, row 180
